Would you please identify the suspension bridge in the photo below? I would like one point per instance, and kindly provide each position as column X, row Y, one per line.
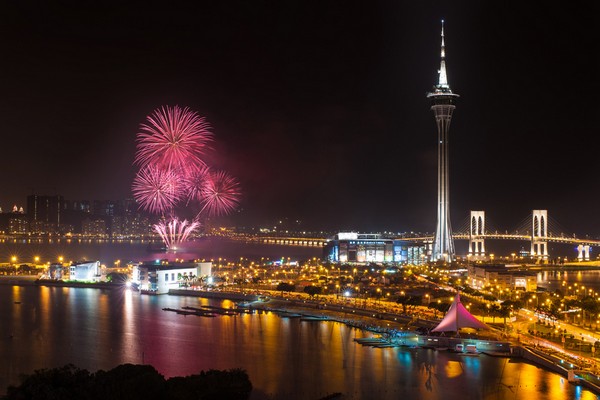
column 536, row 228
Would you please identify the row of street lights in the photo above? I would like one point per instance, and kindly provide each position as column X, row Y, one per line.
column 36, row 259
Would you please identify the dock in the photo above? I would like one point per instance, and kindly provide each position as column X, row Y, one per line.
column 378, row 342
column 199, row 313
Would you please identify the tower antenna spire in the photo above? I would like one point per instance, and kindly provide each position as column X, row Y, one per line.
column 443, row 78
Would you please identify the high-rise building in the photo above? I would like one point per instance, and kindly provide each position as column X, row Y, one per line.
column 443, row 104
column 45, row 213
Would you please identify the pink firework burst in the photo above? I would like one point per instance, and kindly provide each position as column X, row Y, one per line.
column 220, row 194
column 155, row 189
column 175, row 232
column 194, row 182
column 173, row 137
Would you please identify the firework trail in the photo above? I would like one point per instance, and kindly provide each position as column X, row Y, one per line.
column 175, row 231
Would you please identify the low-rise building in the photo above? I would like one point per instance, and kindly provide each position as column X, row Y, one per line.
column 500, row 276
column 85, row 271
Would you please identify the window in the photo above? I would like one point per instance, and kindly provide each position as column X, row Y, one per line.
column 166, row 277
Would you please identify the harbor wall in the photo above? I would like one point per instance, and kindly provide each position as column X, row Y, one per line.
column 235, row 296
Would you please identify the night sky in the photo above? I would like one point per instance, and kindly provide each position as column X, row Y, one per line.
column 319, row 108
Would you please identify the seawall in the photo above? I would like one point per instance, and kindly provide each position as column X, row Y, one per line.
column 235, row 296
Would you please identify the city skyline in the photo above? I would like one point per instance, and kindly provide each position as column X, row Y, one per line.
column 318, row 110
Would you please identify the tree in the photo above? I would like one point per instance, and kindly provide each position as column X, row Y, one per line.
column 117, row 277
column 66, row 383
column 285, row 287
column 505, row 309
column 130, row 382
column 441, row 306
column 313, row 290
column 409, row 301
column 589, row 305
column 233, row 384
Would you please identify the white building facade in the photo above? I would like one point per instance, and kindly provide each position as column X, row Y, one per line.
column 160, row 277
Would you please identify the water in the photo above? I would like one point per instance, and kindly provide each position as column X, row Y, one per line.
column 552, row 280
column 26, row 250
column 285, row 358
column 100, row 329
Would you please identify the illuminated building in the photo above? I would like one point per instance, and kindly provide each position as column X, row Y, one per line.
column 56, row 271
column 94, row 227
column 85, row 271
column 131, row 225
column 45, row 213
column 363, row 248
column 442, row 104
column 499, row 276
column 18, row 224
column 159, row 276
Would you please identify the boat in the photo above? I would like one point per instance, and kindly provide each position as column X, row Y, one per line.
column 471, row 348
column 468, row 350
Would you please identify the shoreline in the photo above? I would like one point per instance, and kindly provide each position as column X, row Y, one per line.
column 332, row 311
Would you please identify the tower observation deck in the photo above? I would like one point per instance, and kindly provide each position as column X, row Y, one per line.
column 443, row 104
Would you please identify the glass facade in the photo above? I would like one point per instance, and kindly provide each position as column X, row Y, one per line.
column 369, row 248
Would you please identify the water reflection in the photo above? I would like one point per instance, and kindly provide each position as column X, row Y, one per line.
column 569, row 282
column 107, row 252
column 285, row 358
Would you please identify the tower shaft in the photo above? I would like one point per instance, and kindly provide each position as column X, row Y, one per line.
column 443, row 244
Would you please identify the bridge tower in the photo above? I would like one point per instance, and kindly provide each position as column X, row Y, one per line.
column 442, row 104
column 539, row 234
column 476, row 235
column 584, row 252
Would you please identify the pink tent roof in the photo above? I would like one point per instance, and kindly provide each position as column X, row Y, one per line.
column 458, row 317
